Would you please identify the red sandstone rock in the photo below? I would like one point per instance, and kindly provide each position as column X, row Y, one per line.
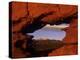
column 59, row 12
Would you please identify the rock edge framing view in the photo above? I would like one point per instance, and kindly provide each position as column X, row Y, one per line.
column 27, row 17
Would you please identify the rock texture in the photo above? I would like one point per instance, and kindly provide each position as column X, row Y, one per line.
column 39, row 16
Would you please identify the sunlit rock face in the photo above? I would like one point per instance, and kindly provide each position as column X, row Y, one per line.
column 18, row 15
column 52, row 32
column 72, row 32
column 40, row 9
column 71, row 37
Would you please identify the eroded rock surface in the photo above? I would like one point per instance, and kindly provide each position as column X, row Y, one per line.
column 40, row 15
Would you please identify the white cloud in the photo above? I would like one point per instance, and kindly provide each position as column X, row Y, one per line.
column 61, row 26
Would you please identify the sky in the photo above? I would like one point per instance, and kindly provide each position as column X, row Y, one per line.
column 51, row 32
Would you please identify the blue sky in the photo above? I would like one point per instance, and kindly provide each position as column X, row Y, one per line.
column 50, row 32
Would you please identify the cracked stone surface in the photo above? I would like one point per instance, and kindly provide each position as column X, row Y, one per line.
column 40, row 15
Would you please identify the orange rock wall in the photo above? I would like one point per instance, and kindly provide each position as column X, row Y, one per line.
column 35, row 9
